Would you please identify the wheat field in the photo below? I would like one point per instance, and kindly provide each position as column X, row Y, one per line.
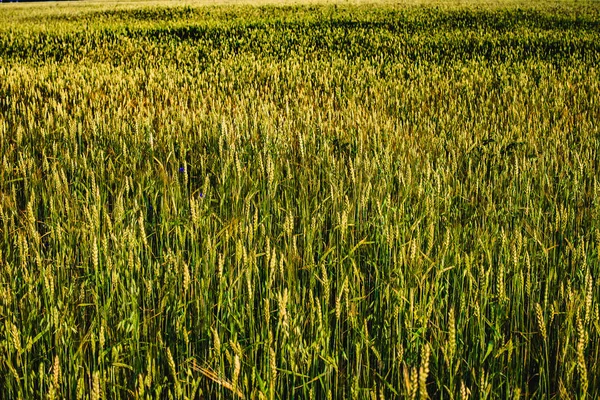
column 301, row 200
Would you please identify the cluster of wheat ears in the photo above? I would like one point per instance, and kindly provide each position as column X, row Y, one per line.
column 322, row 201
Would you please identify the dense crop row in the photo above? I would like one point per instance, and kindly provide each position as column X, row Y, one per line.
column 391, row 37
column 308, row 202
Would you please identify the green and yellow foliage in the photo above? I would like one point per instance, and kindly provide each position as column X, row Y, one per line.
column 329, row 200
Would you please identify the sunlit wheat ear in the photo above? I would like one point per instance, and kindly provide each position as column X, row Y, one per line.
column 451, row 334
column 173, row 370
column 282, row 300
column 540, row 320
column 95, row 256
column 141, row 224
column 220, row 266
column 101, row 339
column 238, row 165
column 465, row 393
column 516, row 394
column 15, row 336
column 31, row 218
column 96, row 390
column 49, row 283
column 239, row 252
column 562, row 390
column 141, row 386
column 80, row 393
column 552, row 313
column 216, row 342
column 249, row 285
column 413, row 251
column 273, row 264
column 424, row 372
column 56, row 378
column 500, row 283
column 186, row 277
column 325, row 282
column 23, row 253
column 414, row 383
column 272, row 367
column 344, row 224
column 19, row 135
column 281, row 268
column 288, row 226
column 194, row 211
column 236, row 371
column 581, row 363
column 589, row 287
